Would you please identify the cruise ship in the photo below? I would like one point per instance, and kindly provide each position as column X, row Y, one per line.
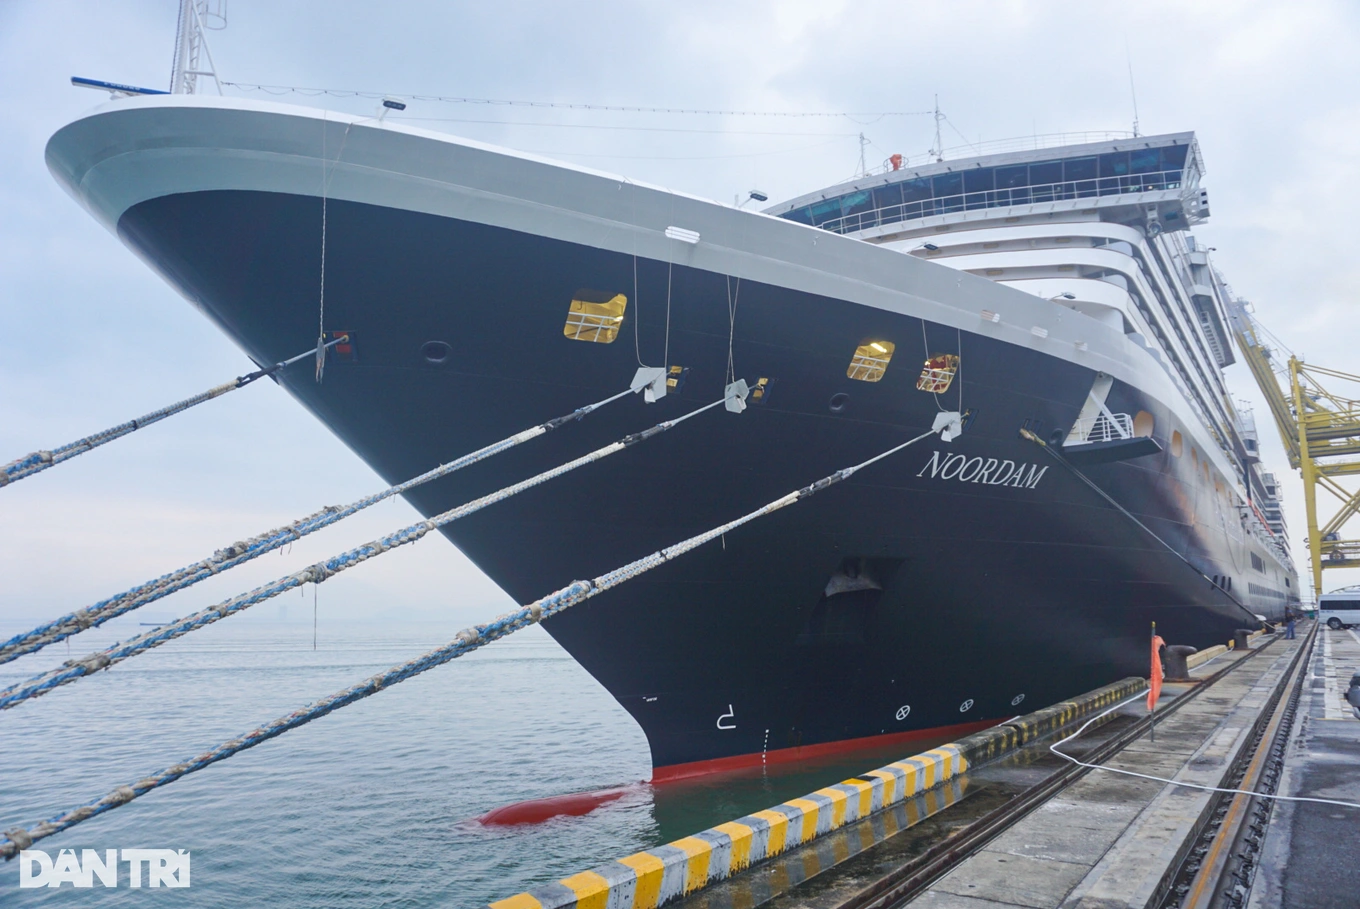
column 1056, row 297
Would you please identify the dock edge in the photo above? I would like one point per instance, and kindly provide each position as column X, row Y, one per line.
column 663, row 874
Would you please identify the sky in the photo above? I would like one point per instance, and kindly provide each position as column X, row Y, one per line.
column 91, row 337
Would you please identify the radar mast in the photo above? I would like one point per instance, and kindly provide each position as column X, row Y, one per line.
column 196, row 18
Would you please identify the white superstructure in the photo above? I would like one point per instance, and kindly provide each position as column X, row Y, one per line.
column 1101, row 227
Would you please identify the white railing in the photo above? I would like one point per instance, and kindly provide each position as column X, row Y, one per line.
column 1003, row 198
column 1101, row 428
column 1018, row 143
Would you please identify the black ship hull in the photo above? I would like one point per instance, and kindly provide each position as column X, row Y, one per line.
column 1004, row 578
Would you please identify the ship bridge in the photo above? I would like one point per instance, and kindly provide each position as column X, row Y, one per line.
column 1137, row 179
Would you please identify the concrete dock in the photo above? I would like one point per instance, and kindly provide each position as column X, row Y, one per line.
column 1015, row 825
column 1311, row 855
column 1114, row 840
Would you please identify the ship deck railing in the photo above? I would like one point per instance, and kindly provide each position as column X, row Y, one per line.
column 1016, row 144
column 1004, row 198
column 1103, row 428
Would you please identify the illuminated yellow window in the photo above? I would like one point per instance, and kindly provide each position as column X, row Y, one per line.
column 675, row 378
column 871, row 360
column 595, row 316
column 938, row 373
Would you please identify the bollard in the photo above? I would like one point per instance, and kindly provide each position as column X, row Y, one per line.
column 1242, row 639
column 1176, row 668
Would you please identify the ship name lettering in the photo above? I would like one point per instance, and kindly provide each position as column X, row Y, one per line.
column 988, row 471
column 1001, row 478
column 952, row 461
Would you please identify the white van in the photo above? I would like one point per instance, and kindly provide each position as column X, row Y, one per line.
column 1339, row 609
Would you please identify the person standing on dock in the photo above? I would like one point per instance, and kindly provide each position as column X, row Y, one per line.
column 1289, row 619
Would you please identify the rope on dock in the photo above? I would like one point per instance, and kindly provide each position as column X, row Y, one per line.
column 245, row 550
column 72, row 670
column 39, row 461
column 1158, row 779
column 466, row 641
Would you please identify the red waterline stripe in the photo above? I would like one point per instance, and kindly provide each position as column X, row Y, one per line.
column 804, row 752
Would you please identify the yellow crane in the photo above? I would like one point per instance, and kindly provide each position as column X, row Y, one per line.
column 1320, row 428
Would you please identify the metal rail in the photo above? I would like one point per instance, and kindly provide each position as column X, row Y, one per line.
column 1220, row 868
column 909, row 880
column 1005, row 197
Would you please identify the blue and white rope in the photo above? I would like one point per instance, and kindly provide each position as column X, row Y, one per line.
column 39, row 461
column 245, row 550
column 72, row 670
column 464, row 642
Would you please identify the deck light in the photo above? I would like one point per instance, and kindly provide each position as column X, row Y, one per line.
column 1063, row 296
column 682, row 234
column 929, row 247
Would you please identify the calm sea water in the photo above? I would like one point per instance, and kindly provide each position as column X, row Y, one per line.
column 374, row 805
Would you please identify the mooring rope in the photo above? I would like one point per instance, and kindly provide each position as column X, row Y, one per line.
column 72, row 670
column 39, row 461
column 1159, row 779
column 466, row 641
column 245, row 550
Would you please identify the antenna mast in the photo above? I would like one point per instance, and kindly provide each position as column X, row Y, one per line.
column 191, row 44
column 1133, row 93
column 937, row 150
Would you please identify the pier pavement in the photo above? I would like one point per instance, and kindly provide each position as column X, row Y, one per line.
column 1311, row 855
column 1110, row 840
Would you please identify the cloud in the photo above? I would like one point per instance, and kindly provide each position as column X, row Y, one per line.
column 92, row 337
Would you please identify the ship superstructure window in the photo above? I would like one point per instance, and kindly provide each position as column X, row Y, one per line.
column 938, row 373
column 1177, row 443
column 870, row 361
column 595, row 316
column 1109, row 174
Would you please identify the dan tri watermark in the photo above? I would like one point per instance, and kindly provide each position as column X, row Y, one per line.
column 157, row 867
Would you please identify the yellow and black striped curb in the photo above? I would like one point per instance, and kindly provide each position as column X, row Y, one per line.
column 782, row 873
column 666, row 873
column 1040, row 723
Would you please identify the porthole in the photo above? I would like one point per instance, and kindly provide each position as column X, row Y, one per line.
column 1177, row 443
column 435, row 351
column 839, row 402
column 595, row 316
column 937, row 373
column 1143, row 425
column 870, row 361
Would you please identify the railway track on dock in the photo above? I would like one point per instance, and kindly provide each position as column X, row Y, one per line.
column 1218, row 871
column 1216, row 865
